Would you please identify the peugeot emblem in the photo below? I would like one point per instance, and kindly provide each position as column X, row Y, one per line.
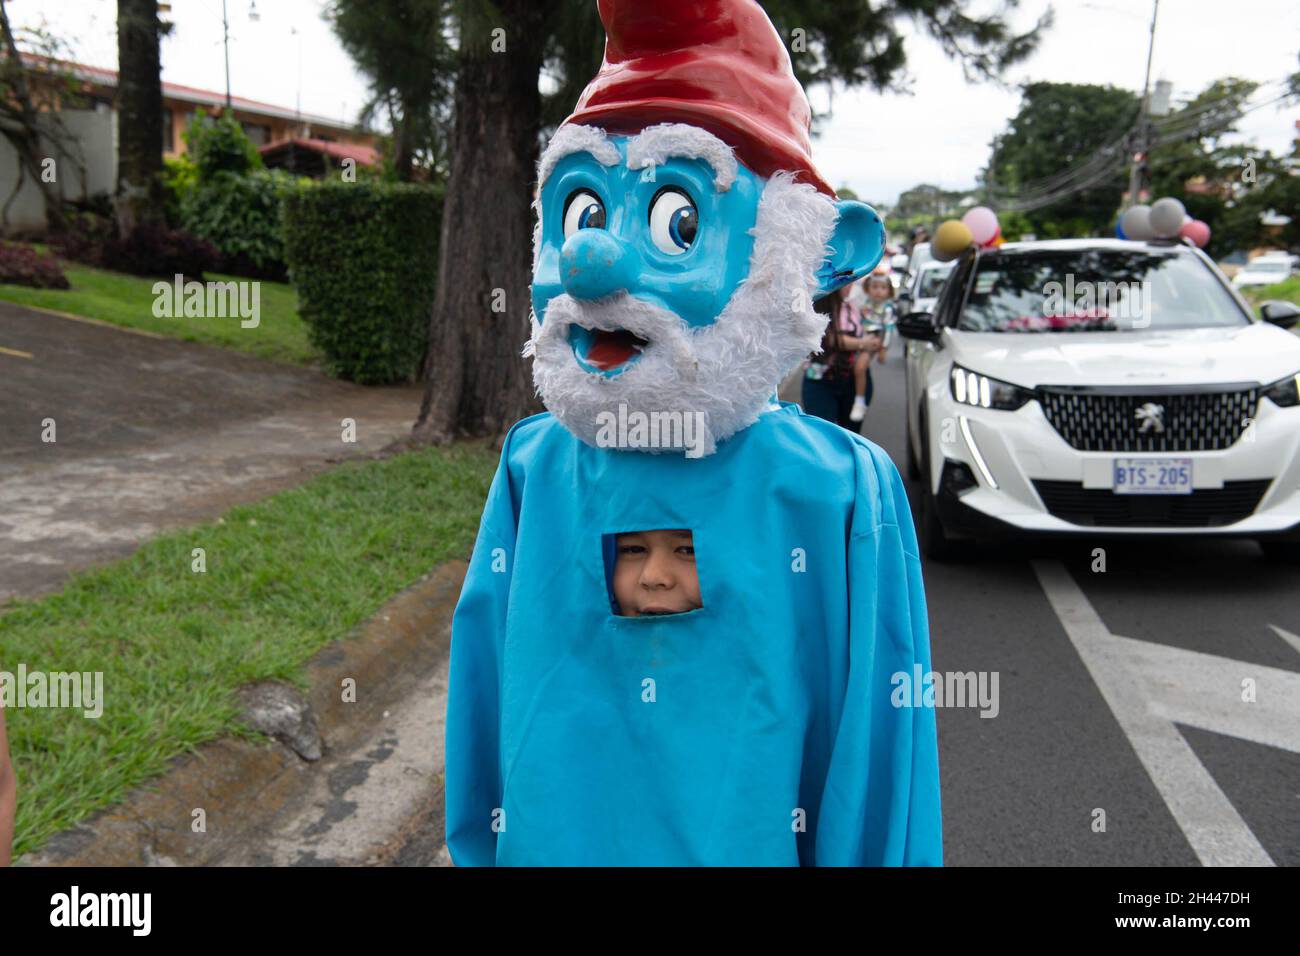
column 1152, row 417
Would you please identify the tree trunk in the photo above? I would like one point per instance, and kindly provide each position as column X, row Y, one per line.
column 476, row 382
column 23, row 132
column 139, row 115
column 402, row 147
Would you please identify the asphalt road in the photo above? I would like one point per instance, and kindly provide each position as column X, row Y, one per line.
column 109, row 436
column 1119, row 693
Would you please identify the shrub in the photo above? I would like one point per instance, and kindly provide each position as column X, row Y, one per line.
column 85, row 238
column 364, row 259
column 152, row 249
column 219, row 145
column 180, row 178
column 240, row 216
column 23, row 265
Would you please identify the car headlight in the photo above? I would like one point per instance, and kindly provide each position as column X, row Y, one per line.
column 980, row 391
column 1285, row 393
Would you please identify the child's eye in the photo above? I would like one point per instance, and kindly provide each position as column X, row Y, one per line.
column 631, row 548
column 687, row 550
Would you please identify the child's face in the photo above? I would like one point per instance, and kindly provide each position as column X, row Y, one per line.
column 879, row 291
column 654, row 573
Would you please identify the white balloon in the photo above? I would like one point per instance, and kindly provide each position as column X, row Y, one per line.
column 1167, row 217
column 1136, row 222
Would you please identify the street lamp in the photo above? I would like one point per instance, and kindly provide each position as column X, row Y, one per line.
column 225, row 38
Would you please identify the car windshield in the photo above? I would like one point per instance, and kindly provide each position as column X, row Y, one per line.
column 931, row 282
column 1095, row 290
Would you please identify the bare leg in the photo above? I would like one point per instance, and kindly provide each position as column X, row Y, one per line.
column 860, row 363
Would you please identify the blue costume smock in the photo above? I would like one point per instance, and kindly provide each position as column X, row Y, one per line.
column 756, row 730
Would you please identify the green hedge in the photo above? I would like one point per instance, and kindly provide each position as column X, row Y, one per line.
column 240, row 215
column 364, row 259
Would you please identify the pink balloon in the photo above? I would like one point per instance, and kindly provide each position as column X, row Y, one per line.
column 1196, row 231
column 982, row 223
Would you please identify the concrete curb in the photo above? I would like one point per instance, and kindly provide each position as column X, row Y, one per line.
column 241, row 785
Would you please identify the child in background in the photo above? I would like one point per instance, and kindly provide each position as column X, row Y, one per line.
column 849, row 320
column 878, row 314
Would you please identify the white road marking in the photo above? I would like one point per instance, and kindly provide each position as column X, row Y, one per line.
column 1149, row 686
column 1292, row 639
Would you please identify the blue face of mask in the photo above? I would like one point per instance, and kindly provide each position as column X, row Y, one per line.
column 667, row 235
column 664, row 234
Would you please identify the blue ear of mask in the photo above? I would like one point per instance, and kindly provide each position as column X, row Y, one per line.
column 856, row 245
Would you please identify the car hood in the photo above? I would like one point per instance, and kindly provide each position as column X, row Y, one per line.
column 1259, row 353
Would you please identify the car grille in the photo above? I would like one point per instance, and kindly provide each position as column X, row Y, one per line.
column 1102, row 508
column 1101, row 420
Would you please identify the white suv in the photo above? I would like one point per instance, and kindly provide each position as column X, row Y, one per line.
column 1103, row 387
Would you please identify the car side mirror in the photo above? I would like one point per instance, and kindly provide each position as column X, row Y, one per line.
column 1277, row 312
column 919, row 326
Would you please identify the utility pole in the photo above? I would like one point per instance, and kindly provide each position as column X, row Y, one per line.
column 225, row 34
column 1142, row 145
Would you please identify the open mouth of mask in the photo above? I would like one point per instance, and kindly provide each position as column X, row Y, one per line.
column 606, row 351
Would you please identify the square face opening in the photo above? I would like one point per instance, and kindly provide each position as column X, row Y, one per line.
column 652, row 573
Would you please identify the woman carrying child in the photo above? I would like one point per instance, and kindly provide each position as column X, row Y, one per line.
column 837, row 382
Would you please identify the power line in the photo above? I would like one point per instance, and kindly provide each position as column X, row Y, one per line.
column 1109, row 159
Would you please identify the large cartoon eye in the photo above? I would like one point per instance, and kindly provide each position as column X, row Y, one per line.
column 673, row 221
column 583, row 210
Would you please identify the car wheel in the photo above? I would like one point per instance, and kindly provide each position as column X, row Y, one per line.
column 935, row 543
column 1284, row 552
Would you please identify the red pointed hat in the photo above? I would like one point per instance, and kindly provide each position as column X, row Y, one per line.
column 716, row 64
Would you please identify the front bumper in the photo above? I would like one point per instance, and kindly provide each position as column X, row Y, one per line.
column 1030, row 480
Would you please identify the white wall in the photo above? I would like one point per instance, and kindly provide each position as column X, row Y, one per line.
column 91, row 168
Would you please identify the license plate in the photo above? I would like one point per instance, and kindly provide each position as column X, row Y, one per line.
column 1153, row 476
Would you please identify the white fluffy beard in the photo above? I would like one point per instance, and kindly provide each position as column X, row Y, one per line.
column 724, row 372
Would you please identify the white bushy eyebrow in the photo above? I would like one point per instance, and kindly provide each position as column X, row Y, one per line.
column 575, row 138
column 655, row 145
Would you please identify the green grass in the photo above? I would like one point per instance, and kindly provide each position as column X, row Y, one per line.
column 1287, row 291
column 285, row 577
column 127, row 300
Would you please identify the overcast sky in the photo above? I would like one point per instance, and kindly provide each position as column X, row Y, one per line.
column 877, row 144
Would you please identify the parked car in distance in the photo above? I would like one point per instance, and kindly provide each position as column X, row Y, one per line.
column 1102, row 386
column 1264, row 270
column 921, row 291
column 897, row 270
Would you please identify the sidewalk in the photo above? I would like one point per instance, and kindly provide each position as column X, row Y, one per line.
column 151, row 434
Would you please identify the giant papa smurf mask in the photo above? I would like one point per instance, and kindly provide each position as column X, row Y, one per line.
column 683, row 232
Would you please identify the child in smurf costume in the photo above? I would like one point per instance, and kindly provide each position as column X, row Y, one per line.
column 682, row 236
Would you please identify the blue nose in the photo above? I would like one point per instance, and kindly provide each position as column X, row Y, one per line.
column 594, row 263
